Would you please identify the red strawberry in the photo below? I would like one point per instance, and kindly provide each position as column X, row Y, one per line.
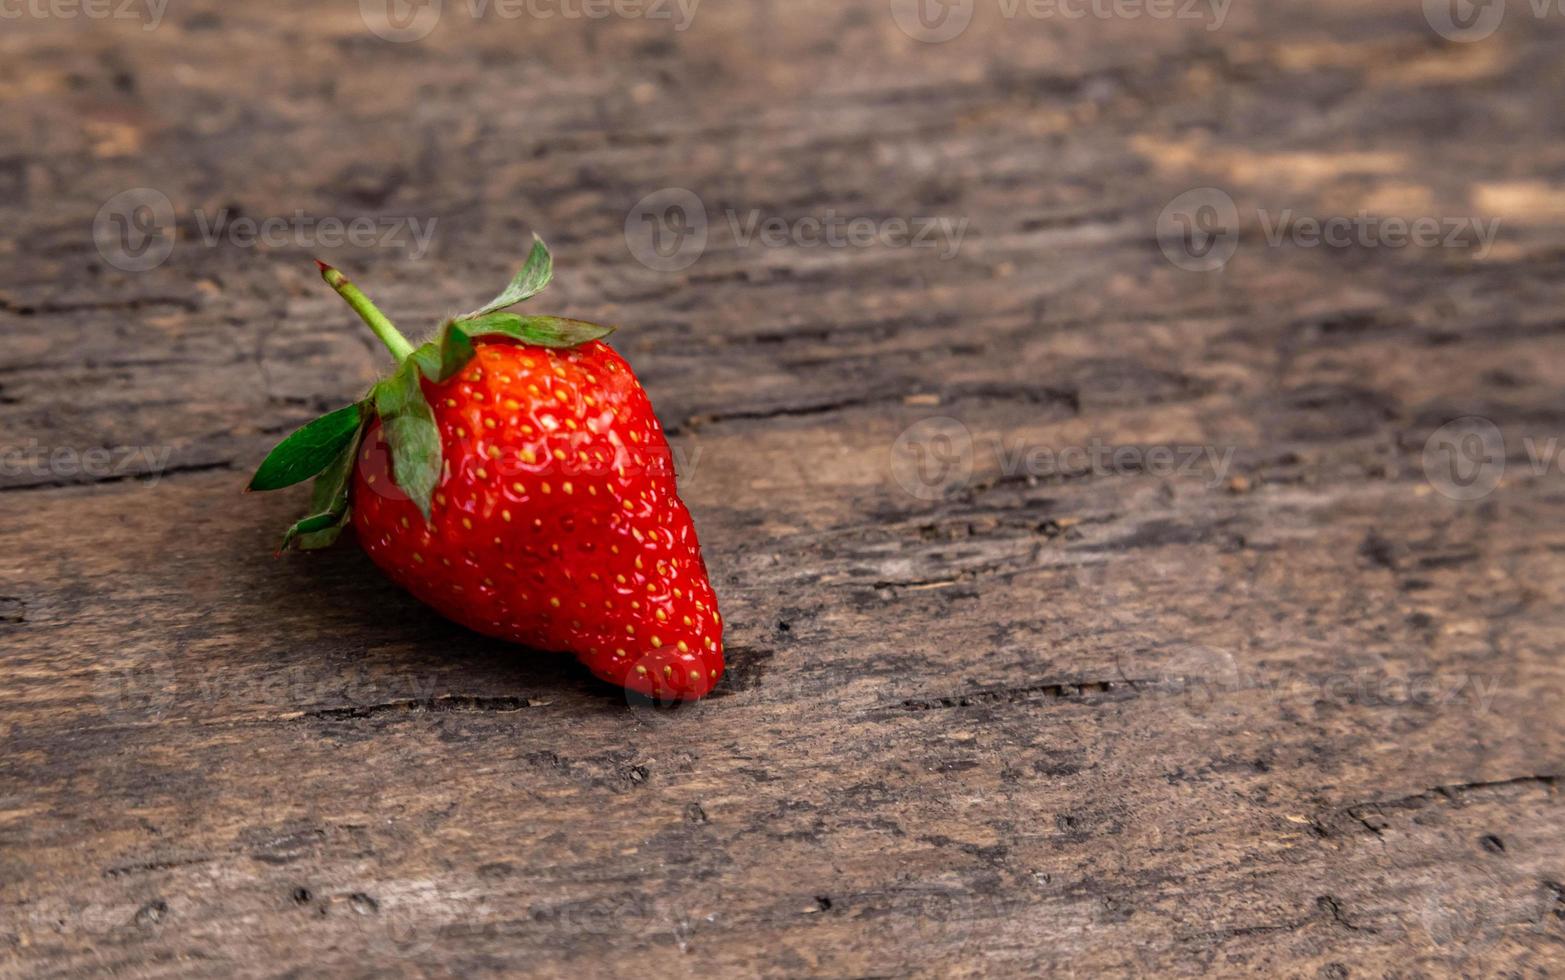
column 513, row 476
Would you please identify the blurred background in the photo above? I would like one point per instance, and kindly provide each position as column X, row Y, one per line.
column 1039, row 162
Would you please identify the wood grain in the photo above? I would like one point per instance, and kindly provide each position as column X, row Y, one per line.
column 1296, row 712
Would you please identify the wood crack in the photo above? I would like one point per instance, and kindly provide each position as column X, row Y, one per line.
column 58, row 483
column 696, row 422
column 1365, row 813
column 1327, row 909
column 444, row 703
column 1084, row 691
column 134, row 303
column 144, row 867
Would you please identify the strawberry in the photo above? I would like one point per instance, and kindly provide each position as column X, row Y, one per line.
column 512, row 475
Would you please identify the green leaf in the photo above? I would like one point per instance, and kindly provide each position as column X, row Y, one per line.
column 545, row 331
column 399, row 393
column 441, row 359
column 449, row 355
column 316, row 540
column 308, row 450
column 456, row 349
column 415, row 455
column 328, row 501
column 315, row 531
column 427, row 357
column 535, row 275
column 409, row 427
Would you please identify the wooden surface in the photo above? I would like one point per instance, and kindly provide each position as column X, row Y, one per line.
column 1300, row 716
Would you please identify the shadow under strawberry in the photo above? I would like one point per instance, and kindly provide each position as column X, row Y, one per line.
column 419, row 655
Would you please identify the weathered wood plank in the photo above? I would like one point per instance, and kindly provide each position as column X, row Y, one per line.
column 1286, row 710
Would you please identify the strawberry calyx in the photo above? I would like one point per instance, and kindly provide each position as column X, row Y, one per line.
column 327, row 447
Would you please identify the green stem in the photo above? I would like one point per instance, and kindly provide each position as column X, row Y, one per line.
column 388, row 334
